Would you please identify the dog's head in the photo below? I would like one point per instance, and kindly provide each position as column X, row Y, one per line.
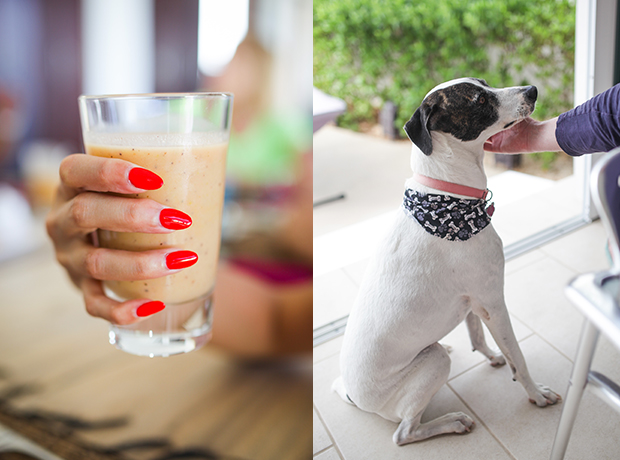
column 466, row 108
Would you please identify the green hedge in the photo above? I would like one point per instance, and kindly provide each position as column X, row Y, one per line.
column 371, row 51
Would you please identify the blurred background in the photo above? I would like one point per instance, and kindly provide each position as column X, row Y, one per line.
column 63, row 387
column 52, row 51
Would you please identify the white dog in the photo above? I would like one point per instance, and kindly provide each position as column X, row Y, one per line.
column 441, row 262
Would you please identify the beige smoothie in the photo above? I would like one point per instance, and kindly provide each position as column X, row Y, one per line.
column 192, row 167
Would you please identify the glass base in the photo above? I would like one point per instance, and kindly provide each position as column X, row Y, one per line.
column 152, row 345
column 178, row 328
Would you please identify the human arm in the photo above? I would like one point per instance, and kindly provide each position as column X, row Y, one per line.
column 593, row 126
column 527, row 136
column 253, row 318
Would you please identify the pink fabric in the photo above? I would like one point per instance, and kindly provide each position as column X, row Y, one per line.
column 450, row 187
column 275, row 272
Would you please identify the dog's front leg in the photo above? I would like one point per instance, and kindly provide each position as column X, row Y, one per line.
column 498, row 322
column 478, row 342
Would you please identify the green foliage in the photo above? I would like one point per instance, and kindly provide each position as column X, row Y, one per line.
column 371, row 51
column 545, row 159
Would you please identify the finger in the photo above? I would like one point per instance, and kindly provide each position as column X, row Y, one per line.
column 114, row 264
column 89, row 211
column 120, row 313
column 497, row 142
column 489, row 144
column 86, row 172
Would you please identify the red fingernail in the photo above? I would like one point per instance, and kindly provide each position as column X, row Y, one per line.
column 150, row 308
column 174, row 220
column 145, row 179
column 181, row 259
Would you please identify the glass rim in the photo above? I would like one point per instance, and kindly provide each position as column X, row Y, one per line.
column 169, row 96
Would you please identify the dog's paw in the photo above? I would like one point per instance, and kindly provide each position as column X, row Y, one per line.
column 545, row 396
column 497, row 360
column 463, row 423
column 412, row 430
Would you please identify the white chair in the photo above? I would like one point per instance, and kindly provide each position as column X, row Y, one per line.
column 325, row 108
column 596, row 295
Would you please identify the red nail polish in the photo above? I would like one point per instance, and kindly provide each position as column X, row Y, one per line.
column 181, row 259
column 145, row 179
column 174, row 220
column 150, row 308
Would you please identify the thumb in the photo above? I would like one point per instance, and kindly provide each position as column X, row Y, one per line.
column 492, row 143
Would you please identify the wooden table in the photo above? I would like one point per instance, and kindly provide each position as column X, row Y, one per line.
column 203, row 399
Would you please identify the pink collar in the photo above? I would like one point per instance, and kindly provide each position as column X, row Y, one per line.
column 450, row 187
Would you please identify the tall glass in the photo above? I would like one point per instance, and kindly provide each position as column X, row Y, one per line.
column 183, row 138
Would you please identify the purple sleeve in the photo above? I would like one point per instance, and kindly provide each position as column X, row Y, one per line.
column 594, row 126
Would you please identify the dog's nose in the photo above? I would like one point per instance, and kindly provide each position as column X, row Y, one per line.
column 531, row 93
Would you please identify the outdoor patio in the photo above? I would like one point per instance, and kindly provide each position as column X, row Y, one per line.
column 370, row 172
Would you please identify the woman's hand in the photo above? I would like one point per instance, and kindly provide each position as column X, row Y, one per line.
column 527, row 136
column 81, row 208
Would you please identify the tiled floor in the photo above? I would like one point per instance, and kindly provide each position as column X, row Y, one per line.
column 545, row 322
column 507, row 425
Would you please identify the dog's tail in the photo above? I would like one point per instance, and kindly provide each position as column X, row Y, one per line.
column 338, row 387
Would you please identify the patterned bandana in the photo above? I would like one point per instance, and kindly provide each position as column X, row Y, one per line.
column 448, row 217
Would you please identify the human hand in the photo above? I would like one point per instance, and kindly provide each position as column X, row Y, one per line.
column 82, row 206
column 527, row 136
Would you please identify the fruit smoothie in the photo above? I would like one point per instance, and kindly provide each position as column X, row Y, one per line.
column 192, row 167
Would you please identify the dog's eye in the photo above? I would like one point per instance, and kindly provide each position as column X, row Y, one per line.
column 481, row 100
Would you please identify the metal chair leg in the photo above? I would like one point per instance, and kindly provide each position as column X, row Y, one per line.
column 576, row 386
column 605, row 388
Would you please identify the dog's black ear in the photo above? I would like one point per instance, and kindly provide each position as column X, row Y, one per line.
column 417, row 128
